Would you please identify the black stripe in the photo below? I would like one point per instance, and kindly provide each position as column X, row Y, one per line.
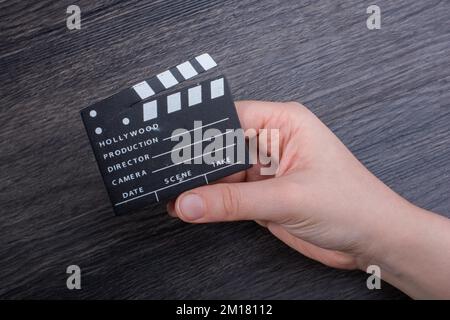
column 184, row 98
column 177, row 74
column 206, row 91
column 162, row 106
column 197, row 66
column 155, row 84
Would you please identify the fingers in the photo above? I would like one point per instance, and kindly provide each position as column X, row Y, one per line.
column 257, row 199
column 262, row 223
column 170, row 207
column 262, row 200
column 331, row 258
column 255, row 114
column 236, row 177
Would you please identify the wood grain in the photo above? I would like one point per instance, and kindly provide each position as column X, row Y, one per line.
column 385, row 93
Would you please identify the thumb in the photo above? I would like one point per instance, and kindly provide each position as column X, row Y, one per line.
column 269, row 200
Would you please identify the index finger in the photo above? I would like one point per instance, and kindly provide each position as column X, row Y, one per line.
column 255, row 114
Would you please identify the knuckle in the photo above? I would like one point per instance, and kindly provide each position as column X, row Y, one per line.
column 294, row 104
column 231, row 199
column 296, row 107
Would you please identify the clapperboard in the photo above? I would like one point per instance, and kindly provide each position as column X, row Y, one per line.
column 135, row 133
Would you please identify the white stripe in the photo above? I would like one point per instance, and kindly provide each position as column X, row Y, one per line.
column 167, row 79
column 187, row 70
column 143, row 90
column 206, row 61
column 173, row 102
column 217, row 89
column 150, row 110
column 195, row 95
column 193, row 158
column 175, row 184
column 196, row 128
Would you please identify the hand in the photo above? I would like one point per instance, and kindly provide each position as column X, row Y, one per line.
column 311, row 202
column 322, row 201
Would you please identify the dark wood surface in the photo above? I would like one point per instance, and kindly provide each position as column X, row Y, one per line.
column 385, row 93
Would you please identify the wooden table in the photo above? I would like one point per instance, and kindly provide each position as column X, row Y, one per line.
column 384, row 92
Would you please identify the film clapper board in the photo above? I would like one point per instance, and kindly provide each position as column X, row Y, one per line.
column 132, row 134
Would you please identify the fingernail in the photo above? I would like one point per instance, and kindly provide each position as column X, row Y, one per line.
column 191, row 206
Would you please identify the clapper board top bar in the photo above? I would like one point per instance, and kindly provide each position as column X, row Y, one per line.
column 173, row 101
column 133, row 138
column 162, row 81
column 152, row 109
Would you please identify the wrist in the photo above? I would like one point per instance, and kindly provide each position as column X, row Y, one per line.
column 391, row 231
column 408, row 247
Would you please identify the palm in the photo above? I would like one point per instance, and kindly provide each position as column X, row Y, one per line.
column 294, row 158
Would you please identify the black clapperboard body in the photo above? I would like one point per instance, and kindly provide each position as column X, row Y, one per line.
column 132, row 135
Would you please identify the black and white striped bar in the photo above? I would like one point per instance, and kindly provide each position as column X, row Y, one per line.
column 169, row 78
column 161, row 82
column 133, row 144
column 214, row 89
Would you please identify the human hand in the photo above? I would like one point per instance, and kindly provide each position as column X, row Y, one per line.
column 322, row 201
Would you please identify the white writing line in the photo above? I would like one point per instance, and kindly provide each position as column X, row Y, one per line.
column 203, row 154
column 206, row 125
column 172, row 185
column 170, row 151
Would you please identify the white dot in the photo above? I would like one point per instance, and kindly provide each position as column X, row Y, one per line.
column 126, row 121
column 93, row 113
column 98, row 130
